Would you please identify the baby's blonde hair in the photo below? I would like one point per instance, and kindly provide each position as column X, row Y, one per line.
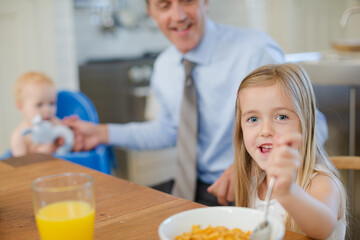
column 29, row 78
column 295, row 84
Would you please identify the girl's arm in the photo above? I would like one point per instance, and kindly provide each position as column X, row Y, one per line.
column 315, row 210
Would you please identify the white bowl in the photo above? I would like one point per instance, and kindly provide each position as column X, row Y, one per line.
column 231, row 217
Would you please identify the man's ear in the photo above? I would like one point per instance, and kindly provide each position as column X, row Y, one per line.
column 206, row 3
column 148, row 10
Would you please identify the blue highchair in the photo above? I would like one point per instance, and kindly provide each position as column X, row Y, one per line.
column 70, row 103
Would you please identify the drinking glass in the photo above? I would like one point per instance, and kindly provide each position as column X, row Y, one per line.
column 64, row 206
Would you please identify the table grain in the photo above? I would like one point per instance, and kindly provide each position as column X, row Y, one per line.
column 124, row 210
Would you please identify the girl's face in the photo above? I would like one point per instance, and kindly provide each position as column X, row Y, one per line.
column 265, row 111
column 38, row 99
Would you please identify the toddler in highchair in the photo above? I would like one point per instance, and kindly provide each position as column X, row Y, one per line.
column 40, row 131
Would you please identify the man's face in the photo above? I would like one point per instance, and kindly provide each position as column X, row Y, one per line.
column 181, row 21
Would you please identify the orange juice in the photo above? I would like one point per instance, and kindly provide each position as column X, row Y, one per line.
column 70, row 220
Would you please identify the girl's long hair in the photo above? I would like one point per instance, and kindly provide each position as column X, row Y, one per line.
column 295, row 84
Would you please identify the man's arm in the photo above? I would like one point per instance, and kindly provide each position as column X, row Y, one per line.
column 137, row 136
column 322, row 131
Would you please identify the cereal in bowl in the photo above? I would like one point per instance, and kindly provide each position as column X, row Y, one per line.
column 213, row 233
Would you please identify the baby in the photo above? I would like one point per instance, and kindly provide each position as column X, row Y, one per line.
column 40, row 131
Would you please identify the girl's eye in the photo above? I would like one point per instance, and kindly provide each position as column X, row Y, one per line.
column 52, row 104
column 39, row 105
column 252, row 119
column 282, row 117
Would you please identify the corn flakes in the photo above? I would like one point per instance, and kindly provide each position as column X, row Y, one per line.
column 213, row 233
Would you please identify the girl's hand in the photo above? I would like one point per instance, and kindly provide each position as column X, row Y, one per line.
column 284, row 162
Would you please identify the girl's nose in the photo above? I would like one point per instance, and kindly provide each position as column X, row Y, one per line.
column 177, row 13
column 267, row 129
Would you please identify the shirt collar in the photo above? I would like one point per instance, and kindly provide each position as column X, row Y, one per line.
column 203, row 52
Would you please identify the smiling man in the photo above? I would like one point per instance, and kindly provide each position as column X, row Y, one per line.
column 182, row 22
column 221, row 56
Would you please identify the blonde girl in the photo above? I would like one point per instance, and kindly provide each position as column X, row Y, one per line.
column 275, row 137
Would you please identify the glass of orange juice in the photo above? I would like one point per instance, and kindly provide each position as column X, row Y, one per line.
column 64, row 206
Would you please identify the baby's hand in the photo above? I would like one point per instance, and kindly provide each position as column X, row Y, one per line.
column 284, row 162
column 59, row 142
column 47, row 148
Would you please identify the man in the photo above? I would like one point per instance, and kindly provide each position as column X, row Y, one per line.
column 223, row 56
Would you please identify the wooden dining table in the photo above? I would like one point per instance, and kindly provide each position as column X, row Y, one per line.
column 124, row 210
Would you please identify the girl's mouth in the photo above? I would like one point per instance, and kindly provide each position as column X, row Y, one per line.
column 265, row 148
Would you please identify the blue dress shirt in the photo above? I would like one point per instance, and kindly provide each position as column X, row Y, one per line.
column 223, row 58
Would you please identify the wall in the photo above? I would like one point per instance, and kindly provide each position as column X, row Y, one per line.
column 297, row 26
column 35, row 35
column 62, row 14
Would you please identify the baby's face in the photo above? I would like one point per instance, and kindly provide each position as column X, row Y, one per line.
column 38, row 99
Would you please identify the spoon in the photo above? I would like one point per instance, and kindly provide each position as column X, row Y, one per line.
column 263, row 230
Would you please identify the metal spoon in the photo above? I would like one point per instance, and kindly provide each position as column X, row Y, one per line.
column 263, row 230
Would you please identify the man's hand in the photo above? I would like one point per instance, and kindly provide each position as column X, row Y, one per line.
column 223, row 187
column 87, row 135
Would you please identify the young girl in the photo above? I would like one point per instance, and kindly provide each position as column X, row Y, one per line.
column 275, row 137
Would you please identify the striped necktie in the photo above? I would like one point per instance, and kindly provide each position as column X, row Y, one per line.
column 185, row 178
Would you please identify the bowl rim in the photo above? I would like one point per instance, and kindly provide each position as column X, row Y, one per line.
column 217, row 208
